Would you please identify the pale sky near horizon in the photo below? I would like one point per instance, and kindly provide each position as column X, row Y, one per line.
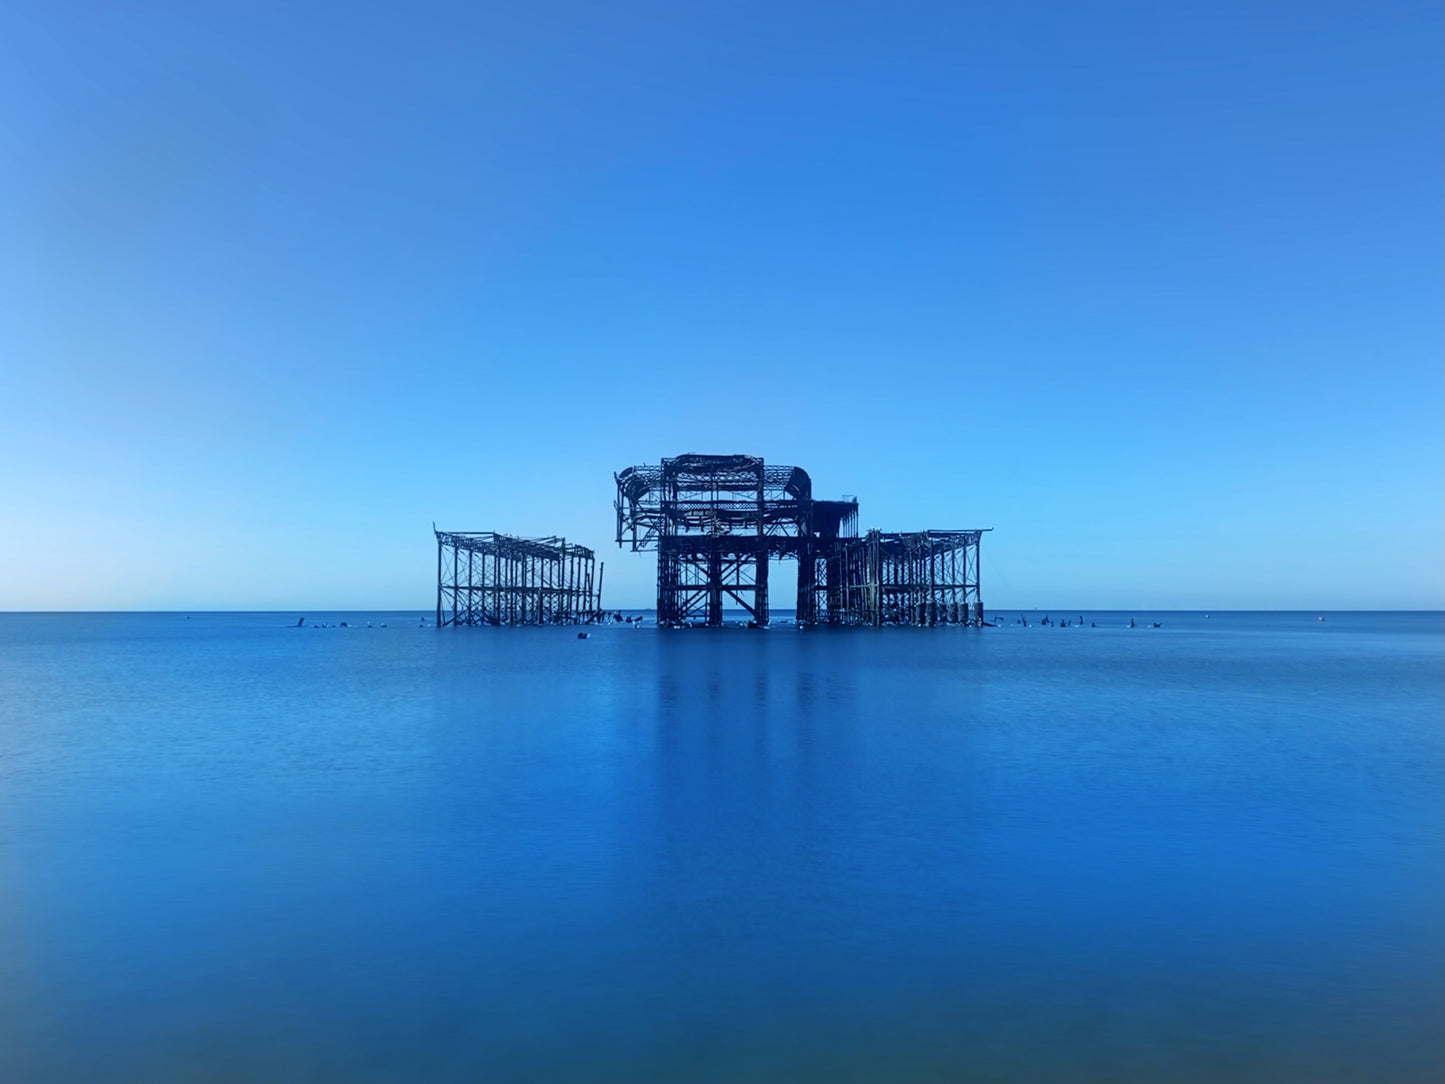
column 1153, row 290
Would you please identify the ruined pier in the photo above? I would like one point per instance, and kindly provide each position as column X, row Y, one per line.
column 716, row 521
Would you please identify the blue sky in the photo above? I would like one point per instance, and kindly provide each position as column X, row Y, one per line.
column 1154, row 290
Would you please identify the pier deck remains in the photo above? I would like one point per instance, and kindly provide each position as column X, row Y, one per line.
column 486, row 578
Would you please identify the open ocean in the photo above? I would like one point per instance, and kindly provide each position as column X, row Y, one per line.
column 236, row 851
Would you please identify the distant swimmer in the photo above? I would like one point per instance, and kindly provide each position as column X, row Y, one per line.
column 1131, row 622
column 299, row 622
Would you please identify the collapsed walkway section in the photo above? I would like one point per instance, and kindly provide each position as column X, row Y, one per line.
column 486, row 578
column 917, row 578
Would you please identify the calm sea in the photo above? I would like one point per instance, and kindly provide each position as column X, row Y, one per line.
column 236, row 851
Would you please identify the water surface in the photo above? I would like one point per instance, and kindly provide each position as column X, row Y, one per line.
column 236, row 851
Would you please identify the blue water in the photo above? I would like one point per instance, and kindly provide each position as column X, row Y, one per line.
column 235, row 851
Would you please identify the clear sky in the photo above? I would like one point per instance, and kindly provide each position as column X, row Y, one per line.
column 1154, row 290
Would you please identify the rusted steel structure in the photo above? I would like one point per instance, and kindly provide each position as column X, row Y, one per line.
column 486, row 578
column 920, row 578
column 716, row 521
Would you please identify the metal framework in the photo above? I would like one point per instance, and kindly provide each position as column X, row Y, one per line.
column 923, row 578
column 485, row 578
column 715, row 521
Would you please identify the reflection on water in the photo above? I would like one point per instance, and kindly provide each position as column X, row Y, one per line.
column 234, row 851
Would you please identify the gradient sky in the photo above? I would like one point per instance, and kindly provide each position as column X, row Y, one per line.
column 1154, row 290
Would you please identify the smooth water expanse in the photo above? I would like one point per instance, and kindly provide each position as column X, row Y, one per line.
column 236, row 851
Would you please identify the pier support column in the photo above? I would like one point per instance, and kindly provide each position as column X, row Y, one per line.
column 714, row 589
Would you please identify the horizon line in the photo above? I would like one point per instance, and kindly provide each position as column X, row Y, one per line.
column 776, row 609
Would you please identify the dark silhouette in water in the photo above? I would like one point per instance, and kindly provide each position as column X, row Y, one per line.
column 300, row 621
